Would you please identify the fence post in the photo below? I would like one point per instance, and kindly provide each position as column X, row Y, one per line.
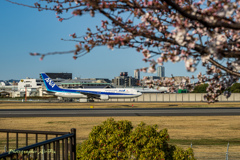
column 66, row 149
column 73, row 130
column 57, row 150
column 7, row 141
column 227, row 151
column 45, row 152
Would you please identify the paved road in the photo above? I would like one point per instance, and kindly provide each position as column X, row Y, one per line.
column 93, row 112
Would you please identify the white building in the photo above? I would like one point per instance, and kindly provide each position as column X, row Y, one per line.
column 137, row 74
column 30, row 86
column 161, row 71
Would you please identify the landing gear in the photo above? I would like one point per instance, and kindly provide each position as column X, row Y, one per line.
column 91, row 100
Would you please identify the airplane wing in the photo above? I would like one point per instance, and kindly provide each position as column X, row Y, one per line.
column 90, row 95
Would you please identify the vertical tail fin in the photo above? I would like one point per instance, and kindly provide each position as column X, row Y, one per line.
column 50, row 85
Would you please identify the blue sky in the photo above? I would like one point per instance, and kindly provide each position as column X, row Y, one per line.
column 24, row 30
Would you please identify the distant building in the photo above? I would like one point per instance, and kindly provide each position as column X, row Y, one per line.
column 59, row 75
column 87, row 83
column 178, row 79
column 154, row 77
column 9, row 86
column 13, row 81
column 124, row 80
column 161, row 71
column 137, row 74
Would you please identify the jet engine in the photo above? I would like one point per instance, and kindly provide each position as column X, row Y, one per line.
column 104, row 97
column 3, row 94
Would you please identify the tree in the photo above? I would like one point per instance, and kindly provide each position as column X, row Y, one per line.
column 235, row 88
column 203, row 31
column 200, row 88
column 117, row 140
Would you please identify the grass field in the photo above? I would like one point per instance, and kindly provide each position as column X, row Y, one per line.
column 207, row 134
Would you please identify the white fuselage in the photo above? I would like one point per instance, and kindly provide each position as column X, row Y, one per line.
column 110, row 92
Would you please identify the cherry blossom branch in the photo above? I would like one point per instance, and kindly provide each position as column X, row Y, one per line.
column 200, row 18
column 224, row 68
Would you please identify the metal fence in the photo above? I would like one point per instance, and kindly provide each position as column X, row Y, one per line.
column 217, row 155
column 63, row 146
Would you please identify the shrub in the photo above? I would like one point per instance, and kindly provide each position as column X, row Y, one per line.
column 117, row 140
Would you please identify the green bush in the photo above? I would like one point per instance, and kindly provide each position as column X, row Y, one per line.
column 117, row 140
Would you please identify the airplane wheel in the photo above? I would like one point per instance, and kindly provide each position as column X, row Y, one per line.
column 91, row 100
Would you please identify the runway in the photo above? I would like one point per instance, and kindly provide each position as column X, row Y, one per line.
column 93, row 112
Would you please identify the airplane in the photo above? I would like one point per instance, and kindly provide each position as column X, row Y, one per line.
column 4, row 94
column 102, row 94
